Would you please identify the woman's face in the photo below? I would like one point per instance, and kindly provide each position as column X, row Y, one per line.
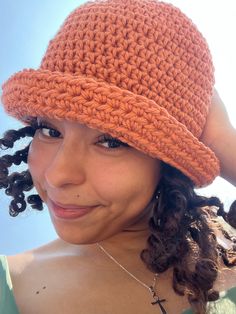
column 71, row 163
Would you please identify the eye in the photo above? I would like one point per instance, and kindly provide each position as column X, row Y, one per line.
column 45, row 128
column 109, row 142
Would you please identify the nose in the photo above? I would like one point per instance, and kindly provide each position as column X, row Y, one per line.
column 67, row 167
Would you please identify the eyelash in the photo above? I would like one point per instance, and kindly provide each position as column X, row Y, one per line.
column 43, row 125
column 106, row 138
column 101, row 140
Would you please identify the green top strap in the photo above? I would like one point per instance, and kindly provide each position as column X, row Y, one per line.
column 225, row 304
column 7, row 300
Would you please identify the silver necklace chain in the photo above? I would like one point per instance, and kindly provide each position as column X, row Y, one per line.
column 152, row 288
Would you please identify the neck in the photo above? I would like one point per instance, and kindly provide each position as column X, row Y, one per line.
column 133, row 237
column 127, row 241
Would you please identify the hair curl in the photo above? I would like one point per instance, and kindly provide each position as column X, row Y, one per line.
column 192, row 249
column 16, row 183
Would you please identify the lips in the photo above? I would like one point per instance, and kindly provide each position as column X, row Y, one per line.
column 69, row 211
column 71, row 206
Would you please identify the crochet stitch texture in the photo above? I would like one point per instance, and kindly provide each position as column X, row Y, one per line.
column 136, row 69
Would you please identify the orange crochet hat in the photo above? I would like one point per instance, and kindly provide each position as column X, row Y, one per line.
column 136, row 69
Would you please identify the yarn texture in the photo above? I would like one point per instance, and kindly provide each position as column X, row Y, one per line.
column 136, row 69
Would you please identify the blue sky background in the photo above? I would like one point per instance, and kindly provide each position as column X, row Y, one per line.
column 25, row 30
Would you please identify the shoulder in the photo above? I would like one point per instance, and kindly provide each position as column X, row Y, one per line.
column 19, row 263
column 24, row 262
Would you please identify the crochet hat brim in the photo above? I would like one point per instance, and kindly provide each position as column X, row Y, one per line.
column 134, row 119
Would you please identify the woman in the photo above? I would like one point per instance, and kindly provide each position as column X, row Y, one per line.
column 116, row 111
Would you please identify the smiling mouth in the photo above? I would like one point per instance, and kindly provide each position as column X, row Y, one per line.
column 69, row 212
column 72, row 206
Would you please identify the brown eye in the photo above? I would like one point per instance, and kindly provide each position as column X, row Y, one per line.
column 47, row 131
column 109, row 142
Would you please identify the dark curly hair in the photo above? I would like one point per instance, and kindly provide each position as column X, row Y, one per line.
column 183, row 237
column 231, row 215
column 16, row 183
column 182, row 225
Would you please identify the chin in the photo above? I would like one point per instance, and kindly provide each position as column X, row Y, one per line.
column 79, row 234
column 77, row 237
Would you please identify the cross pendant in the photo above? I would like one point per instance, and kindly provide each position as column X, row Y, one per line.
column 158, row 301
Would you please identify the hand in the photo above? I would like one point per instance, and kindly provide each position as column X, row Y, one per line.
column 220, row 136
column 217, row 123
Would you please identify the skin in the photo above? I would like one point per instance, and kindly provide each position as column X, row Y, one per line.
column 122, row 182
column 220, row 136
column 77, row 160
column 75, row 163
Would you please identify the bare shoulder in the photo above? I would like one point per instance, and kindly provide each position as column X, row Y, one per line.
column 46, row 254
column 19, row 262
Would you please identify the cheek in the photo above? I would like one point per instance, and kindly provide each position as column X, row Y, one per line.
column 37, row 165
column 39, row 156
column 33, row 159
column 129, row 182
